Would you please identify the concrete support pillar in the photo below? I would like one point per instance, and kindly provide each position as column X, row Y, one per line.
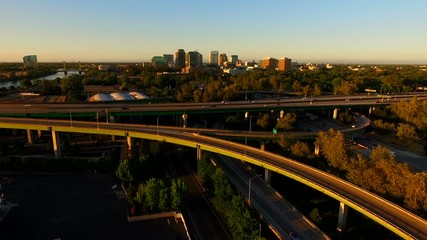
column 263, row 146
column 29, row 136
column 184, row 119
column 267, row 176
column 113, row 138
column 317, row 149
column 39, row 133
column 199, row 152
column 56, row 144
column 335, row 116
column 129, row 142
column 342, row 217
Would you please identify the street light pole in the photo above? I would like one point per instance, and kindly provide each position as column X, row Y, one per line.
column 250, row 181
column 71, row 120
column 158, row 124
column 250, row 129
column 97, row 120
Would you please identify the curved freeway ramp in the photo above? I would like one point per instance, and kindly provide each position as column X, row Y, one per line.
column 393, row 217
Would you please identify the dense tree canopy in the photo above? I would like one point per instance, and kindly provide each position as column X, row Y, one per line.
column 332, row 145
column 380, row 173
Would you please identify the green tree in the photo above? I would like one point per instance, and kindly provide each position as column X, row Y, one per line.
column 164, row 201
column 72, row 87
column 285, row 141
column 346, row 88
column 287, row 122
column 125, row 171
column 152, row 193
column 178, row 194
column 300, row 149
column 333, row 148
column 185, row 93
column 25, row 83
column 50, row 88
column 222, row 189
column 362, row 173
column 240, row 221
column 413, row 112
column 140, row 194
column 263, row 121
column 379, row 153
column 406, row 131
column 317, row 91
column 296, row 86
column 306, row 90
column 416, row 192
column 204, row 170
column 315, row 216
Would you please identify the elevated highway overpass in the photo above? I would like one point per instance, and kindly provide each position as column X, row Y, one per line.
column 135, row 108
column 391, row 216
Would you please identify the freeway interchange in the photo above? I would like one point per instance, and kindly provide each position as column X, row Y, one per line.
column 393, row 217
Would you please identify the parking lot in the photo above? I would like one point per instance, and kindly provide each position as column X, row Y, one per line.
column 74, row 206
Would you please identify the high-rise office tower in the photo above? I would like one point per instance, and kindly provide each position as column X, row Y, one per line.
column 193, row 59
column 158, row 61
column 30, row 60
column 222, row 58
column 180, row 59
column 168, row 58
column 233, row 59
column 285, row 64
column 213, row 58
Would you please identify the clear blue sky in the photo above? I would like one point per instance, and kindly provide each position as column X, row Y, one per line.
column 354, row 31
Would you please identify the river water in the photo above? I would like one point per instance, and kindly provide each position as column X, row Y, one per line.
column 49, row 77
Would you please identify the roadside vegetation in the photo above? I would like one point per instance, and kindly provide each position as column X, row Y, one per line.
column 147, row 189
column 403, row 124
column 380, row 173
column 227, row 202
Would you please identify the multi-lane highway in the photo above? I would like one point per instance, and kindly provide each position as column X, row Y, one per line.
column 179, row 108
column 282, row 216
column 395, row 218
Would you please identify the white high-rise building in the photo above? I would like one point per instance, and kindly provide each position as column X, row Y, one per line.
column 213, row 58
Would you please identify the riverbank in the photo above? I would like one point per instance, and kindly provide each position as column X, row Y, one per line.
column 52, row 75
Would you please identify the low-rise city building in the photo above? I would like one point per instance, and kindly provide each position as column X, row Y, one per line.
column 269, row 63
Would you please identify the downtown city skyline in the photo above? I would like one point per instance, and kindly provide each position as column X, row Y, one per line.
column 332, row 31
